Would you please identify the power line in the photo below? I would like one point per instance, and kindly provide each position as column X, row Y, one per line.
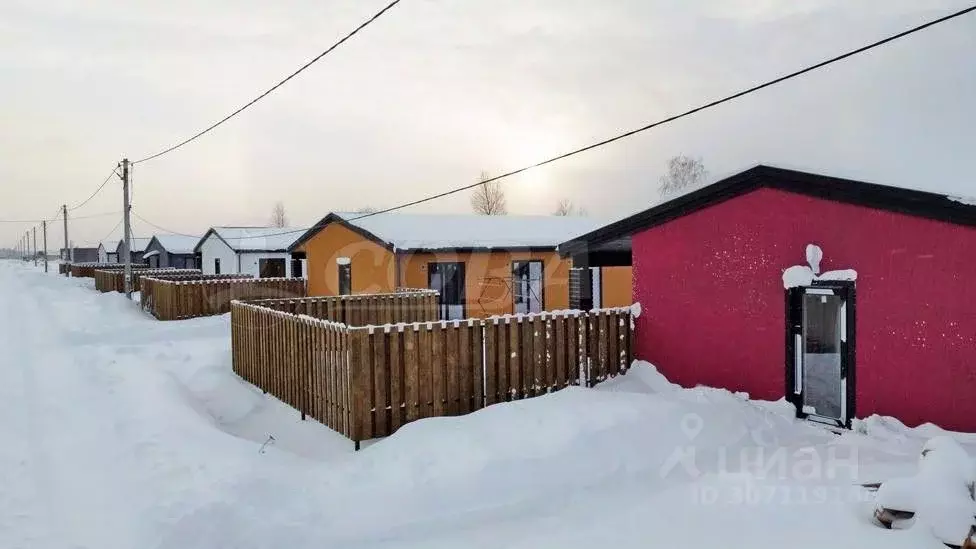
column 682, row 115
column 272, row 88
column 112, row 231
column 164, row 229
column 98, row 190
column 644, row 128
column 93, row 216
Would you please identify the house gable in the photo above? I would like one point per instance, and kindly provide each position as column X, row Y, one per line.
column 372, row 263
column 881, row 197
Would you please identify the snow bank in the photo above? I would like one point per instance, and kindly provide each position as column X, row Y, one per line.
column 940, row 495
column 168, row 454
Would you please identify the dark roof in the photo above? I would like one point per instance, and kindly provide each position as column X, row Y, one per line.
column 895, row 199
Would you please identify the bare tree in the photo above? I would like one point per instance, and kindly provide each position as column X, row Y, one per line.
column 489, row 198
column 566, row 208
column 684, row 173
column 278, row 217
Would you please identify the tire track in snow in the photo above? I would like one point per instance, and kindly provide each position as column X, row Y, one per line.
column 78, row 459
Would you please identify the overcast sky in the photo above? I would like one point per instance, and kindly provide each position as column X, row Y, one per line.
column 438, row 90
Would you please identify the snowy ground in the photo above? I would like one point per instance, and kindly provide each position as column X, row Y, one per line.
column 124, row 432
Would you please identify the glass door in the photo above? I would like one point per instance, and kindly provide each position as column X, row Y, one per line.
column 821, row 353
column 448, row 280
column 527, row 279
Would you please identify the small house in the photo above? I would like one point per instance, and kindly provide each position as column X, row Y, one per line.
column 846, row 298
column 76, row 254
column 480, row 265
column 172, row 250
column 137, row 247
column 107, row 251
column 258, row 251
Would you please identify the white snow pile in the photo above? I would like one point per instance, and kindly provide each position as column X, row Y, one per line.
column 799, row 276
column 940, row 497
column 121, row 431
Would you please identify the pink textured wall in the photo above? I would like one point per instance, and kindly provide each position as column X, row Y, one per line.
column 714, row 307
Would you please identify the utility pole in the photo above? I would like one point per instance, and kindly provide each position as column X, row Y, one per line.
column 44, row 229
column 64, row 216
column 35, row 245
column 126, row 228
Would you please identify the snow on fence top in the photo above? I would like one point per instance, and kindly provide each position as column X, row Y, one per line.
column 307, row 319
column 261, row 304
column 226, row 280
column 107, row 266
column 498, row 319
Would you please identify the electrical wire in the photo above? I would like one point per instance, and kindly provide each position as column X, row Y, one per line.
column 113, row 229
column 213, row 126
column 164, row 229
column 98, row 190
column 646, row 127
column 690, row 112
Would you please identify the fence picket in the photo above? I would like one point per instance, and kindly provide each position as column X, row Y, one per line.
column 381, row 383
column 491, row 361
column 397, row 400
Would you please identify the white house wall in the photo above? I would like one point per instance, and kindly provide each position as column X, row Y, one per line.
column 214, row 248
column 249, row 262
column 102, row 255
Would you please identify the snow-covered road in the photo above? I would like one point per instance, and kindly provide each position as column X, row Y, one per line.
column 123, row 432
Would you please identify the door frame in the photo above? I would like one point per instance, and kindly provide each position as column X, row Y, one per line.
column 462, row 288
column 528, row 271
column 848, row 355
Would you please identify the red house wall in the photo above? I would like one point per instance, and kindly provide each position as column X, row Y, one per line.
column 711, row 288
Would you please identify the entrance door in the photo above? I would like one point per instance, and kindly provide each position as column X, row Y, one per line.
column 527, row 278
column 448, row 280
column 820, row 352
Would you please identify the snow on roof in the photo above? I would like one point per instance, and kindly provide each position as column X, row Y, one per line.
column 258, row 238
column 135, row 244
column 177, row 244
column 435, row 231
column 110, row 245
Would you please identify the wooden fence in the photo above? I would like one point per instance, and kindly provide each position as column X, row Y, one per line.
column 407, row 305
column 114, row 280
column 148, row 286
column 88, row 269
column 299, row 359
column 180, row 299
column 398, row 373
column 64, row 268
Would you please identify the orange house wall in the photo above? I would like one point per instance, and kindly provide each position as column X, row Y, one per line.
column 488, row 278
column 488, row 275
column 617, row 289
column 372, row 265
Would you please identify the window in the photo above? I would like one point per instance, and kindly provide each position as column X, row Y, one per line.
column 527, row 277
column 189, row 263
column 448, row 280
column 271, row 268
column 217, row 265
column 345, row 278
column 296, row 268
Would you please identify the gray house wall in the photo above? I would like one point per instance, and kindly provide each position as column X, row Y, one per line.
column 81, row 255
column 167, row 259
